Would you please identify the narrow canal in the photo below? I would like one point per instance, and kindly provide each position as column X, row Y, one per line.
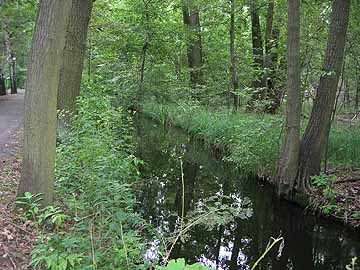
column 309, row 242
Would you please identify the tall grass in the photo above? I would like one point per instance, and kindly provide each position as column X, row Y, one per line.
column 251, row 141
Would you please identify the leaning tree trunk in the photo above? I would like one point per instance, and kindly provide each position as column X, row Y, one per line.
column 234, row 77
column 191, row 20
column 42, row 85
column 288, row 162
column 2, row 77
column 73, row 56
column 10, row 55
column 317, row 131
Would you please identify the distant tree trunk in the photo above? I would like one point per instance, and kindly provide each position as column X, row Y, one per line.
column 259, row 82
column 257, row 44
column 271, row 44
column 42, row 85
column 317, row 131
column 234, row 77
column 2, row 77
column 10, row 55
column 73, row 56
column 141, row 90
column 357, row 95
column 191, row 20
column 288, row 162
column 269, row 33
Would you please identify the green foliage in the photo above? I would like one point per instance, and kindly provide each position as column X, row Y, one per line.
column 95, row 169
column 344, row 145
column 49, row 215
column 324, row 182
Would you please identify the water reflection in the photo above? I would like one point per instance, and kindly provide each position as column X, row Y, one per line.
column 309, row 243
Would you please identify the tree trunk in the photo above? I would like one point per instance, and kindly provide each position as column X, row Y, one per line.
column 10, row 55
column 73, row 56
column 234, row 77
column 257, row 44
column 141, row 90
column 2, row 77
column 191, row 20
column 268, row 32
column 272, row 33
column 317, row 131
column 357, row 96
column 288, row 162
column 42, row 85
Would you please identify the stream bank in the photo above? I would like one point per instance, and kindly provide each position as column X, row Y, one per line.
column 252, row 143
column 310, row 242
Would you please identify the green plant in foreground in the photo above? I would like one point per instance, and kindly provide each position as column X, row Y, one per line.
column 50, row 215
column 324, row 182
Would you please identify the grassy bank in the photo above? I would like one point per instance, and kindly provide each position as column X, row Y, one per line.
column 252, row 141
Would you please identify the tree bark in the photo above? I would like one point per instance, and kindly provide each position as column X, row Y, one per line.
column 288, row 162
column 42, row 85
column 317, row 131
column 10, row 55
column 191, row 20
column 73, row 56
column 234, row 77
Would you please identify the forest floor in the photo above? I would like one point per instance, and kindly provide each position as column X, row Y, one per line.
column 16, row 234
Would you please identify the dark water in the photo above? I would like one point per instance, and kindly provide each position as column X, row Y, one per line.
column 310, row 243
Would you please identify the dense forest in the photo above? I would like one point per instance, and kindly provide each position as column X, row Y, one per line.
column 179, row 134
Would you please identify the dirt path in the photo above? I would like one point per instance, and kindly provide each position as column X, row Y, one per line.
column 16, row 234
column 11, row 120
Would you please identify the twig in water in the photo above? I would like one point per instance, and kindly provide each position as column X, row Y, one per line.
column 268, row 248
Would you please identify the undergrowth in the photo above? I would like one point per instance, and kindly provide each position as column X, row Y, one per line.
column 95, row 169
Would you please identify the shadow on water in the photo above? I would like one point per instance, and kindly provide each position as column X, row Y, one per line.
column 310, row 243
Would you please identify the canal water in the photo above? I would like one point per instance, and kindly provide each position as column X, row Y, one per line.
column 309, row 242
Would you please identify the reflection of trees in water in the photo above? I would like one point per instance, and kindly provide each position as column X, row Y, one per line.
column 234, row 246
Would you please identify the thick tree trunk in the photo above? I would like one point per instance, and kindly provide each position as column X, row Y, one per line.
column 191, row 20
column 42, row 85
column 288, row 162
column 10, row 55
column 317, row 131
column 234, row 77
column 73, row 56
column 2, row 77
